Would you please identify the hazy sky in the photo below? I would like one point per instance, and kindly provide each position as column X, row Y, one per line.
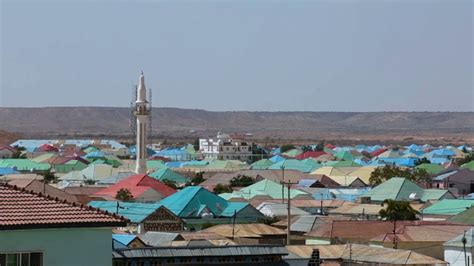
column 241, row 55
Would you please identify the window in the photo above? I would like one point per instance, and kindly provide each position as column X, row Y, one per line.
column 21, row 259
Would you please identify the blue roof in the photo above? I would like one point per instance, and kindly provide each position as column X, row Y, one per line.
column 277, row 158
column 444, row 176
column 133, row 151
column 443, row 152
column 95, row 154
column 399, row 161
column 135, row 212
column 8, row 170
column 123, row 239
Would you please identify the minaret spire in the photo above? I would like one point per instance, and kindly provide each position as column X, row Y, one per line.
column 142, row 112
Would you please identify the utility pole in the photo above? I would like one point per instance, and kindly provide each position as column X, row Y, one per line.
column 282, row 182
column 288, row 228
column 394, row 234
column 464, row 241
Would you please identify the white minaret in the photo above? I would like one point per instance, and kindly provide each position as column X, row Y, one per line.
column 142, row 112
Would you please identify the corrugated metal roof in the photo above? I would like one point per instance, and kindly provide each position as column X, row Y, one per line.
column 170, row 252
column 366, row 254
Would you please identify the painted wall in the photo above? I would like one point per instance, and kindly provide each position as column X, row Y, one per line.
column 65, row 246
column 455, row 256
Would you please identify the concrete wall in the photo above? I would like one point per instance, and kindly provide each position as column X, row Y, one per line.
column 70, row 246
column 455, row 256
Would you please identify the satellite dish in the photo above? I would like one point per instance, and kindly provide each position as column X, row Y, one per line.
column 414, row 196
column 207, row 215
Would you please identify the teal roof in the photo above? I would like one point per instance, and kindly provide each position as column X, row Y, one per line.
column 465, row 217
column 192, row 200
column 270, row 188
column 166, row 173
column 449, row 207
column 315, row 165
column 293, row 164
column 155, row 164
column 135, row 212
column 344, row 155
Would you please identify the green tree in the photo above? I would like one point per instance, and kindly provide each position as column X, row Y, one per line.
column 398, row 211
column 124, row 194
column 320, row 146
column 422, row 161
column 267, row 220
column 89, row 182
column 469, row 157
column 198, row 178
column 220, row 188
column 381, row 174
column 306, row 148
column 286, row 147
column 241, row 181
column 196, row 144
column 170, row 183
column 49, row 176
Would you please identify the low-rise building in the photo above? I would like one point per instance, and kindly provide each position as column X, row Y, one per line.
column 226, row 147
column 39, row 230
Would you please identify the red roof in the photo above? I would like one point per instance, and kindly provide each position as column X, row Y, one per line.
column 22, row 209
column 137, row 184
column 48, row 148
column 310, row 154
column 329, row 146
column 7, row 148
column 378, row 152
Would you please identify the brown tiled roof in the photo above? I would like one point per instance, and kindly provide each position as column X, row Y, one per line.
column 22, row 209
column 39, row 187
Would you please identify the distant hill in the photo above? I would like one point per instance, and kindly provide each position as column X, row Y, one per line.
column 7, row 137
column 52, row 121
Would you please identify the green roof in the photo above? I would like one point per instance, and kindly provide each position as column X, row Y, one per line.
column 342, row 164
column 292, row 153
column 166, row 173
column 43, row 157
column 91, row 149
column 469, row 165
column 270, row 188
column 448, row 207
column 226, row 164
column 396, row 188
column 261, row 164
column 465, row 217
column 434, row 194
column 431, row 168
column 292, row 164
column 24, row 164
